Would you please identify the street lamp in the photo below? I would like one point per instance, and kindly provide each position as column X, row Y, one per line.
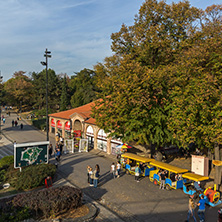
column 47, row 55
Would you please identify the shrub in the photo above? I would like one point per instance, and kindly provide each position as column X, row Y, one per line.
column 50, row 202
column 6, row 161
column 31, row 176
column 10, row 213
column 2, row 174
column 39, row 123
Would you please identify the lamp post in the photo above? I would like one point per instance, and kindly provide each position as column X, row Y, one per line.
column 46, row 55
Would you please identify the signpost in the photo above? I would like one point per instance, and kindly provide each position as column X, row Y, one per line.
column 27, row 154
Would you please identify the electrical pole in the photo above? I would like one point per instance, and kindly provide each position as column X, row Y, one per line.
column 47, row 55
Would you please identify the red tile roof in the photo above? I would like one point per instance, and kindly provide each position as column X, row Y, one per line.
column 84, row 111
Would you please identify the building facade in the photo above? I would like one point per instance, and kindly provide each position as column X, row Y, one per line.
column 79, row 121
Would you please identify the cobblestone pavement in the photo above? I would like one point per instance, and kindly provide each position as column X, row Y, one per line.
column 120, row 199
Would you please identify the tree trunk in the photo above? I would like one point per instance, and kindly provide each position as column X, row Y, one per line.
column 217, row 179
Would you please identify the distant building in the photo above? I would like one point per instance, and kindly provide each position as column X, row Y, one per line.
column 78, row 122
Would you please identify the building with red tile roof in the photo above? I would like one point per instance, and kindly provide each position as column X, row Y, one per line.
column 79, row 123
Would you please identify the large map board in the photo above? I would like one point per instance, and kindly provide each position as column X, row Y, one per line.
column 26, row 154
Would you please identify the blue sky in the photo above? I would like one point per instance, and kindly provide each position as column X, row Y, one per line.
column 77, row 32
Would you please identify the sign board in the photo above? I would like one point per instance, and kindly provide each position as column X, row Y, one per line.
column 200, row 165
column 83, row 145
column 27, row 154
column 69, row 146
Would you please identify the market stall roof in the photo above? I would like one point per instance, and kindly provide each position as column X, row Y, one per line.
column 194, row 177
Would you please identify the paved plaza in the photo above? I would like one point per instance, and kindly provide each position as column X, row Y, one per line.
column 120, row 199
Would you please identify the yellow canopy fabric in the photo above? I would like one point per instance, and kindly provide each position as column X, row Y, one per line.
column 194, row 177
column 137, row 158
column 168, row 167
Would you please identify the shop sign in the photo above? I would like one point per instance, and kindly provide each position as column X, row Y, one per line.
column 67, row 126
column 52, row 123
column 59, row 124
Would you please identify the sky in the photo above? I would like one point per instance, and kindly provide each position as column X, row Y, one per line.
column 77, row 32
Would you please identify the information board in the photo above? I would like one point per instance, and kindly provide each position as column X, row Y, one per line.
column 26, row 154
column 200, row 165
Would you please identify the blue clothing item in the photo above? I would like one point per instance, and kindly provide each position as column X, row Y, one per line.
column 95, row 182
column 137, row 170
column 202, row 204
column 91, row 181
column 201, row 215
column 191, row 212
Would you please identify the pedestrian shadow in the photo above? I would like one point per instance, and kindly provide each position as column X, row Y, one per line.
column 94, row 193
column 106, row 177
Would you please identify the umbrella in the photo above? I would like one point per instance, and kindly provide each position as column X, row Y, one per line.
column 124, row 146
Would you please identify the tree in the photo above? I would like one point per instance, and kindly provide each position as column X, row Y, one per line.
column 196, row 87
column 83, row 87
column 54, row 89
column 158, row 34
column 19, row 89
column 64, row 96
column 134, row 109
column 134, row 82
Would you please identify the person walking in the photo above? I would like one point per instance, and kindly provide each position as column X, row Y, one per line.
column 13, row 123
column 96, row 175
column 88, row 169
column 162, row 178
column 113, row 170
column 201, row 209
column 21, row 126
column 118, row 168
column 191, row 207
column 137, row 173
column 91, row 177
column 50, row 150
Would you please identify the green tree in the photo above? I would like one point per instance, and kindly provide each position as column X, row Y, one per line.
column 19, row 89
column 64, row 96
column 197, row 86
column 158, row 34
column 83, row 87
column 134, row 81
column 54, row 89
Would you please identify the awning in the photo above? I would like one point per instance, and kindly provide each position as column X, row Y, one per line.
column 194, row 177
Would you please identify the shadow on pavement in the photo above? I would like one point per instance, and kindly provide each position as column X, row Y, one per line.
column 94, row 193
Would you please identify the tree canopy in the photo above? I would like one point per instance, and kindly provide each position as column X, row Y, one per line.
column 163, row 82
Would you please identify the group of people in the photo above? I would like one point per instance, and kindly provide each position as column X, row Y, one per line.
column 192, row 205
column 115, row 169
column 58, row 148
column 93, row 175
column 3, row 119
column 16, row 123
